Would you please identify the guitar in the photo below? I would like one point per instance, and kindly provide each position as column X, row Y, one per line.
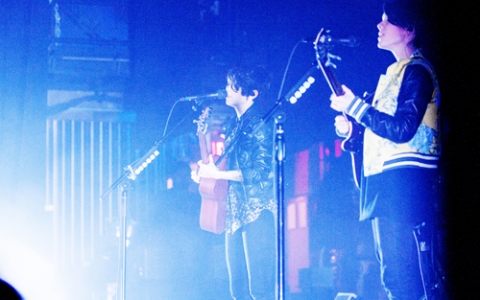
column 213, row 191
column 353, row 143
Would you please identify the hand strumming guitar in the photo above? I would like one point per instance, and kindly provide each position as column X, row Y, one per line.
column 342, row 126
column 210, row 170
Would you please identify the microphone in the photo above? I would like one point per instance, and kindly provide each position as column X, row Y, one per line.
column 349, row 42
column 220, row 94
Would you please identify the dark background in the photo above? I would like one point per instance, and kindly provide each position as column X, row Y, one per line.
column 183, row 48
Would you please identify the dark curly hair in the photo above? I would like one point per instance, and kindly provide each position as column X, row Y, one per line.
column 249, row 79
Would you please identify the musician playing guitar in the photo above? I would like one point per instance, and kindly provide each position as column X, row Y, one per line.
column 401, row 149
column 250, row 206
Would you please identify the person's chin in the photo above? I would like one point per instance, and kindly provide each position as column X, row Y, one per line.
column 380, row 46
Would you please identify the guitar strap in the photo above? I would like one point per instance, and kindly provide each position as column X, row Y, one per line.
column 234, row 141
column 226, row 152
column 230, row 145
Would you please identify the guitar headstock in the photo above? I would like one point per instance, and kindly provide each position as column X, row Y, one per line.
column 325, row 60
column 323, row 46
column 202, row 120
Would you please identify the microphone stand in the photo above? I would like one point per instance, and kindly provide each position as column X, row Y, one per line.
column 124, row 183
column 279, row 158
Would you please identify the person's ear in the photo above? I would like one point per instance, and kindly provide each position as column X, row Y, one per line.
column 255, row 94
column 410, row 34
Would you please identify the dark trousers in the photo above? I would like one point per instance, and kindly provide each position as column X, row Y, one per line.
column 251, row 257
column 396, row 251
column 397, row 201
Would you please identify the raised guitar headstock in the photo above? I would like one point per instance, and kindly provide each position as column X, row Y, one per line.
column 325, row 60
column 202, row 121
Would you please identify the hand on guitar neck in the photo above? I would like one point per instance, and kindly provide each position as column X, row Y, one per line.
column 346, row 127
column 342, row 101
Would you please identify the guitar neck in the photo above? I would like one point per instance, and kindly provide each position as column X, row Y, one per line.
column 332, row 80
column 203, row 147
